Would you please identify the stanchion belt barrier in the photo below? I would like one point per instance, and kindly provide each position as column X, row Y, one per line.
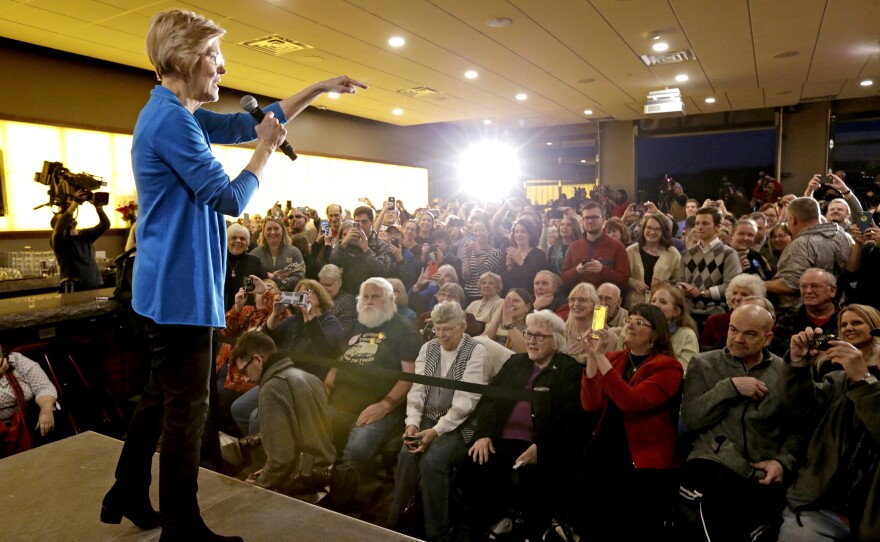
column 515, row 394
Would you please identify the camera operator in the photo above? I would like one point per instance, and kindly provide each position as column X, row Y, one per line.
column 673, row 198
column 73, row 248
column 767, row 190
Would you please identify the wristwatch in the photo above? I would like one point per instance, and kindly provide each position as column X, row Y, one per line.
column 507, row 326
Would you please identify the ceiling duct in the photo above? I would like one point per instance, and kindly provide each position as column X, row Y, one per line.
column 275, row 45
column 418, row 92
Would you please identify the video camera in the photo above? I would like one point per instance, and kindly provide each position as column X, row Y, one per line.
column 63, row 186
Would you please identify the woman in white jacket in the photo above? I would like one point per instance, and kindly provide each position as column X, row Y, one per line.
column 653, row 258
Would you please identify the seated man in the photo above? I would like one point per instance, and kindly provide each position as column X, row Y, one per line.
column 836, row 491
column 432, row 446
column 294, row 423
column 818, row 289
column 744, row 442
column 609, row 295
column 367, row 410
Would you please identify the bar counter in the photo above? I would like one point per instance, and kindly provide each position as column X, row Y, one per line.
column 41, row 309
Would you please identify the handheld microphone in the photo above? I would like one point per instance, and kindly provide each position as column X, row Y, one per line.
column 249, row 104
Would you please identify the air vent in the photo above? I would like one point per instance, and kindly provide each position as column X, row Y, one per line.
column 829, row 98
column 276, row 45
column 418, row 92
column 673, row 57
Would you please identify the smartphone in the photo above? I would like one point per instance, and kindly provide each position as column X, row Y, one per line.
column 432, row 268
column 325, row 226
column 827, row 178
column 395, row 243
column 294, row 298
column 411, row 438
column 249, row 285
column 599, row 315
column 863, row 220
column 247, row 217
column 392, row 201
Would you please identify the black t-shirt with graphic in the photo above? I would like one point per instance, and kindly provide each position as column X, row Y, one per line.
column 382, row 347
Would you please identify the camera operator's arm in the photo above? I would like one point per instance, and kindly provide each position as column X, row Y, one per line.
column 94, row 232
column 62, row 225
column 855, row 206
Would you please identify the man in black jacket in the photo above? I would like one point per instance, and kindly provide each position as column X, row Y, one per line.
column 73, row 248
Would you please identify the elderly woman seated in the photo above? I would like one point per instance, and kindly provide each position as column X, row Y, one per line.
column 344, row 303
column 549, row 294
column 432, row 445
column 448, row 292
column 540, row 441
column 21, row 380
column 715, row 329
column 633, row 449
column 489, row 304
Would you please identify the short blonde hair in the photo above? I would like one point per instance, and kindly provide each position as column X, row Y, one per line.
column 236, row 227
column 177, row 38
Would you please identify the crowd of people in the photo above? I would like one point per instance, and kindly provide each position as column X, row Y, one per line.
column 732, row 363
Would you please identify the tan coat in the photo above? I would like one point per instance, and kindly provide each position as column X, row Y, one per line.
column 665, row 269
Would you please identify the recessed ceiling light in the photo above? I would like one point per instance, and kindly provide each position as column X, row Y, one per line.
column 549, row 143
column 588, row 111
column 397, row 41
column 499, row 22
column 398, row 111
column 522, row 96
column 710, row 100
column 471, row 74
column 333, row 95
column 487, row 122
column 867, row 83
column 583, row 161
column 660, row 46
column 682, row 77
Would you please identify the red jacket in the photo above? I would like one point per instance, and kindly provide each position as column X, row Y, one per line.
column 612, row 254
column 648, row 403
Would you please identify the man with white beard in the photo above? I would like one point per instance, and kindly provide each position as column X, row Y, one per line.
column 366, row 410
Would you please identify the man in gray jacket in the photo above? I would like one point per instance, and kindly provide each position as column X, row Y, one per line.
column 294, row 422
column 815, row 244
column 744, row 442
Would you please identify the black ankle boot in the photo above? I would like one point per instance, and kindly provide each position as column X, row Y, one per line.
column 194, row 532
column 140, row 511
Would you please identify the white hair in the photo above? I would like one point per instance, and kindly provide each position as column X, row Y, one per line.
column 552, row 322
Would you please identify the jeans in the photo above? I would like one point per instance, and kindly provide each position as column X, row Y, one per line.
column 174, row 404
column 812, row 526
column 245, row 413
column 434, row 466
column 360, row 445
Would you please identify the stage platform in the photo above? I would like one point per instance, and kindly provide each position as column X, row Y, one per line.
column 54, row 493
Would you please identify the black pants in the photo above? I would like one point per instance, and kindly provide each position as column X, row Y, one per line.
column 174, row 405
column 731, row 508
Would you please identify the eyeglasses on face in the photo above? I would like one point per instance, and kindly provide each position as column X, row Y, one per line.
column 243, row 368
column 638, row 323
column 215, row 58
column 539, row 337
column 592, row 218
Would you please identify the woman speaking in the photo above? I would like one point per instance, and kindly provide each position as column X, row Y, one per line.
column 178, row 279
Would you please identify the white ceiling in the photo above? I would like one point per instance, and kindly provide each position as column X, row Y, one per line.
column 566, row 55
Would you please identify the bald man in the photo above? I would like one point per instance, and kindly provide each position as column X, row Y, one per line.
column 744, row 443
column 609, row 295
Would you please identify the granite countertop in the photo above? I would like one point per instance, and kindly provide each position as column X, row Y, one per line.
column 29, row 283
column 33, row 310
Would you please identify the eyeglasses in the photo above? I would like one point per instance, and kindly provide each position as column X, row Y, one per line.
column 245, row 366
column 592, row 218
column 638, row 323
column 299, row 216
column 651, row 229
column 539, row 337
column 445, row 329
column 215, row 58
column 579, row 300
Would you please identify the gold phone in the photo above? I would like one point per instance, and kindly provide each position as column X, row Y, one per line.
column 599, row 314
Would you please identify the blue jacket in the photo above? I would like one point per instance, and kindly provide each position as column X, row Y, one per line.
column 183, row 193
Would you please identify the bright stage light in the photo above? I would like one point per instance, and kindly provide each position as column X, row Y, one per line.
column 488, row 170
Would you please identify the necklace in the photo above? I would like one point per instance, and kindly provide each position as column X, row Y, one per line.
column 235, row 267
column 633, row 363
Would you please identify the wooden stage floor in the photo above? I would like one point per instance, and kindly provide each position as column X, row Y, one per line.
column 54, row 493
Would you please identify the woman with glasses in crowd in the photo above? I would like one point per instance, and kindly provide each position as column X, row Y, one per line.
column 778, row 238
column 670, row 300
column 633, row 452
column 509, row 324
column 582, row 301
column 653, row 258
